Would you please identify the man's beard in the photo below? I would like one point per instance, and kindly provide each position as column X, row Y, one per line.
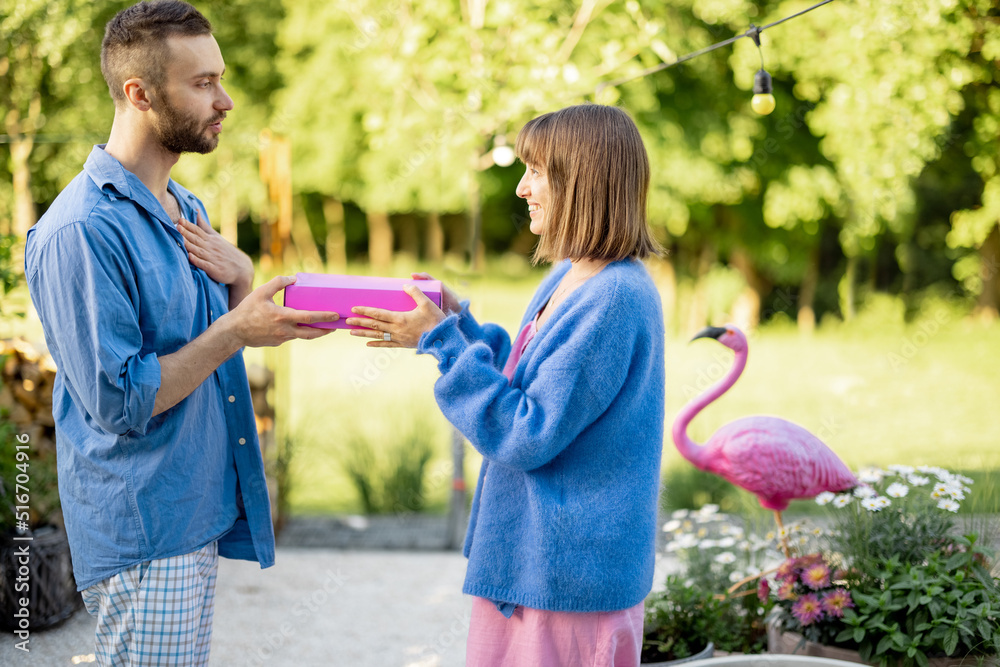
column 181, row 133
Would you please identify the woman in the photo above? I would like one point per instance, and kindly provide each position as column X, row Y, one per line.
column 569, row 419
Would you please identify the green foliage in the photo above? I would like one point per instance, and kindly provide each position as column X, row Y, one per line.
column 8, row 472
column 909, row 514
column 10, row 273
column 879, row 163
column 698, row 604
column 680, row 621
column 389, row 480
column 26, row 472
column 948, row 605
column 916, row 589
column 687, row 487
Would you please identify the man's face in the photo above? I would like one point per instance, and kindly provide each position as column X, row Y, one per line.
column 192, row 103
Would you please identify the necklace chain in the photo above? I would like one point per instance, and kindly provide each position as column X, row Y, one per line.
column 565, row 287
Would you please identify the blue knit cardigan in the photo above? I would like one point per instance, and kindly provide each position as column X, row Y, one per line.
column 564, row 513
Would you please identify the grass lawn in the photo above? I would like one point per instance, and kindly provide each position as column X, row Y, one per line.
column 877, row 393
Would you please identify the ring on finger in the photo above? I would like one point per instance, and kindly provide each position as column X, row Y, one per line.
column 387, row 337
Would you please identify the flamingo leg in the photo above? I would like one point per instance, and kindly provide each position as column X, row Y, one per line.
column 781, row 534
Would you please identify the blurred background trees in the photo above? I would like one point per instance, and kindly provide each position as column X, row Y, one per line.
column 877, row 174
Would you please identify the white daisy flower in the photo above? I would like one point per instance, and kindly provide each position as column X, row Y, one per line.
column 671, row 526
column 864, row 491
column 708, row 544
column 956, row 492
column 735, row 576
column 871, row 475
column 817, row 532
column 871, row 504
column 883, row 501
column 897, row 490
column 709, row 509
column 744, row 546
column 901, row 469
column 726, row 542
column 679, row 514
column 965, row 480
column 825, row 497
column 918, row 480
column 702, row 532
column 949, row 505
column 686, row 541
column 726, row 557
column 842, row 500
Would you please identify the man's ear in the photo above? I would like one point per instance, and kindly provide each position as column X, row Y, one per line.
column 137, row 94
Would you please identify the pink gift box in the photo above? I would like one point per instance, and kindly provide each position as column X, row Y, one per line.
column 326, row 292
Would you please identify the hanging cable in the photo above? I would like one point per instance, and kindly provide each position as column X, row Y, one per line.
column 762, row 80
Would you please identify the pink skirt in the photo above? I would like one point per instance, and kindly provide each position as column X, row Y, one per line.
column 537, row 638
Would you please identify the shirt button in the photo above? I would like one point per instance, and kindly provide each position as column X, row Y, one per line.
column 437, row 343
column 243, row 441
column 179, row 245
column 232, row 399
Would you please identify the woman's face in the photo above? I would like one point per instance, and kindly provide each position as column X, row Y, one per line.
column 534, row 188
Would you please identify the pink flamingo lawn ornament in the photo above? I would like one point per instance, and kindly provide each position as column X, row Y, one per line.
column 774, row 459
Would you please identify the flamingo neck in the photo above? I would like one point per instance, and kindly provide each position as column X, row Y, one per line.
column 688, row 448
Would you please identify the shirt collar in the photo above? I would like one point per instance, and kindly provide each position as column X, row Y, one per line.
column 116, row 182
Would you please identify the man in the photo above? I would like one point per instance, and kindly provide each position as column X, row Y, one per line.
column 145, row 314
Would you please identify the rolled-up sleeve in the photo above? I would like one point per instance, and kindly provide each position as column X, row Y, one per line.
column 85, row 292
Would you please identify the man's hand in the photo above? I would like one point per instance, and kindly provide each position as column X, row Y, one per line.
column 259, row 322
column 220, row 259
column 256, row 322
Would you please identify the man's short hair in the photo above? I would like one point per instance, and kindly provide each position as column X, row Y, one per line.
column 598, row 174
column 135, row 42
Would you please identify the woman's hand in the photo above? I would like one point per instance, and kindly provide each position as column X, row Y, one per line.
column 449, row 302
column 404, row 327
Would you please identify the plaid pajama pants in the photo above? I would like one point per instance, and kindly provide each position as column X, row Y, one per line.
column 157, row 613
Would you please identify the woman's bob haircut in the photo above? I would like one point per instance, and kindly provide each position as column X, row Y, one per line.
column 598, row 175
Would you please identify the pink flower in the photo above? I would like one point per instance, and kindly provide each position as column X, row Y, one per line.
column 787, row 591
column 808, row 609
column 816, row 576
column 763, row 590
column 807, row 561
column 836, row 601
column 786, row 571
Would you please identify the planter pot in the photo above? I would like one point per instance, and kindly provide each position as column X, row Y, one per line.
column 51, row 589
column 788, row 643
column 706, row 653
column 769, row 660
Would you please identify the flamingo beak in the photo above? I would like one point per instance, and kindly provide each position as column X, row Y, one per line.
column 710, row 332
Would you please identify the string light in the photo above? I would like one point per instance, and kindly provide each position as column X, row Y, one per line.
column 763, row 99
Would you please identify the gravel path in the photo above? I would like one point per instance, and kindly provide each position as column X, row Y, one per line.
column 314, row 607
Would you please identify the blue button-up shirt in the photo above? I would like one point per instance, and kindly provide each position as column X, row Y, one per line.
column 110, row 278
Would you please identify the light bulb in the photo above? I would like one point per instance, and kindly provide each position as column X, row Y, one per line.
column 762, row 104
column 503, row 155
column 763, row 100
